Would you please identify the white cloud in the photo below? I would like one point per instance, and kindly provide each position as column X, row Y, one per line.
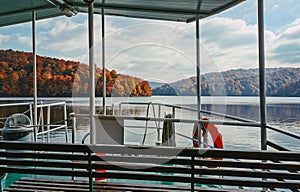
column 3, row 38
column 65, row 36
column 24, row 40
column 285, row 48
column 233, row 44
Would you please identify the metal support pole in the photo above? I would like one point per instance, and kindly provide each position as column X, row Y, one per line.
column 92, row 72
column 48, row 122
column 66, row 122
column 198, row 78
column 103, row 60
column 73, row 128
column 34, row 76
column 262, row 75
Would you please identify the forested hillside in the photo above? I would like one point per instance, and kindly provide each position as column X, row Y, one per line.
column 60, row 78
column 244, row 82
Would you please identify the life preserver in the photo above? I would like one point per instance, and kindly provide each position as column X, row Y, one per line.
column 215, row 136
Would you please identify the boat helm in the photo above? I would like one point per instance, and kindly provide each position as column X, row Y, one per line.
column 17, row 127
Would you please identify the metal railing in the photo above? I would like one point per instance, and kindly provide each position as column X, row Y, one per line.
column 45, row 112
column 233, row 120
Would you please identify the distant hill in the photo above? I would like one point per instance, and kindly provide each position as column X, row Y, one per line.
column 240, row 82
column 61, row 78
column 154, row 85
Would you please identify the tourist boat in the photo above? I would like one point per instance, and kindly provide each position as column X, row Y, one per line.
column 170, row 168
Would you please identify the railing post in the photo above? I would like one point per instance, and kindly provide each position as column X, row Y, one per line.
column 158, row 142
column 66, row 123
column 193, row 174
column 173, row 112
column 72, row 115
column 262, row 75
column 48, row 123
column 120, row 109
column 91, row 183
column 41, row 120
column 198, row 78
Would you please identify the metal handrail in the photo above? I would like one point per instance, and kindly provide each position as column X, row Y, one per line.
column 186, row 108
column 62, row 124
column 246, row 121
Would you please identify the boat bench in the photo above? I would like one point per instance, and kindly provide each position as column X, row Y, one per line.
column 130, row 168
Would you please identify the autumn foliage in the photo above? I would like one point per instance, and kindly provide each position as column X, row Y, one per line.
column 61, row 78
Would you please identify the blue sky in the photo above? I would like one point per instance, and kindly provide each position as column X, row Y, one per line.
column 165, row 51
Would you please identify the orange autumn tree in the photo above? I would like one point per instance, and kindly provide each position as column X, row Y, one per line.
column 60, row 78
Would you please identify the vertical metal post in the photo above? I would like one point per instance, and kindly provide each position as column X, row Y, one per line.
column 193, row 174
column 92, row 71
column 120, row 109
column 262, row 75
column 103, row 60
column 158, row 142
column 73, row 128
column 48, row 122
column 34, row 76
column 91, row 183
column 173, row 112
column 65, row 122
column 198, row 78
column 31, row 113
column 41, row 121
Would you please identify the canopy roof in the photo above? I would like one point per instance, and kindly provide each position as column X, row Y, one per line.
column 19, row 11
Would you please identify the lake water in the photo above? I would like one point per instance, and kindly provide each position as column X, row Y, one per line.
column 282, row 112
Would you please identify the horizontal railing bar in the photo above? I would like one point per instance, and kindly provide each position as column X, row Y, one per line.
column 49, row 186
column 58, row 181
column 191, row 109
column 204, row 180
column 284, row 132
column 52, row 129
column 141, row 127
column 37, row 171
column 51, row 104
column 52, row 164
column 23, row 154
column 162, row 151
column 192, row 152
column 14, row 104
column 202, row 171
column 275, row 146
column 174, row 120
column 180, row 161
column 35, row 146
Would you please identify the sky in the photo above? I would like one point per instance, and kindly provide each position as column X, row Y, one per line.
column 164, row 51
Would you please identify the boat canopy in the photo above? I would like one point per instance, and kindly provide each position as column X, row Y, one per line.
column 14, row 12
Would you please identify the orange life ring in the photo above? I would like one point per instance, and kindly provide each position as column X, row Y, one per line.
column 215, row 136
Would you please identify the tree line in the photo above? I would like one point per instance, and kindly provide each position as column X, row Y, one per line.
column 61, row 78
